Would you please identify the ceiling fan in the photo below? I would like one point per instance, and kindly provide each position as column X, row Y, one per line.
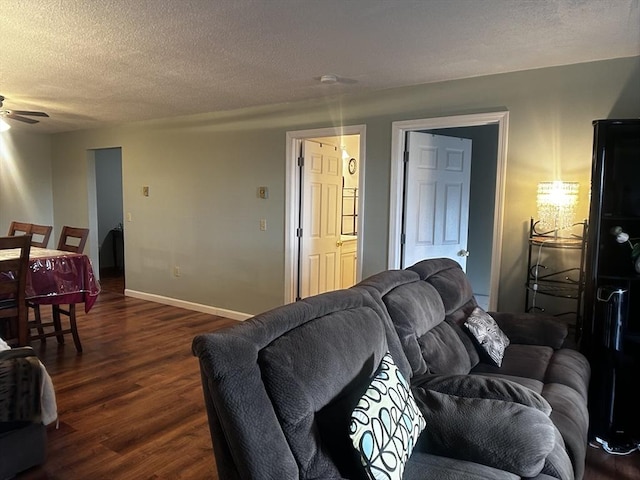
column 20, row 115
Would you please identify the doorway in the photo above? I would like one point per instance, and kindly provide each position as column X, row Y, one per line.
column 324, row 185
column 492, row 203
column 106, row 217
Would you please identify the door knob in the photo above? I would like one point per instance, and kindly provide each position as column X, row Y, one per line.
column 339, row 243
column 463, row 253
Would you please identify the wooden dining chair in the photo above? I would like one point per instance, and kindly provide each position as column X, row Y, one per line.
column 19, row 228
column 72, row 239
column 40, row 235
column 13, row 281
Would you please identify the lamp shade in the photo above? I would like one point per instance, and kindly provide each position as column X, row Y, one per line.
column 4, row 126
column 557, row 204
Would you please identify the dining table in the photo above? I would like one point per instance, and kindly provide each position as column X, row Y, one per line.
column 57, row 277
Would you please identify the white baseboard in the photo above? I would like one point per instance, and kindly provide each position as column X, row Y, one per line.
column 197, row 307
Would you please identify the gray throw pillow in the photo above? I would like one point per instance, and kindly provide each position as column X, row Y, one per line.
column 480, row 386
column 501, row 434
column 487, row 333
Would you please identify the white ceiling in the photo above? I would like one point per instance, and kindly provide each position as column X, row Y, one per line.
column 94, row 63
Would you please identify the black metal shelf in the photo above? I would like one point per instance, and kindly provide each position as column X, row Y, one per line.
column 349, row 211
column 563, row 283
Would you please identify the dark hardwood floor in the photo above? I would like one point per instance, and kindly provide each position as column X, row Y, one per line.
column 131, row 408
column 602, row 465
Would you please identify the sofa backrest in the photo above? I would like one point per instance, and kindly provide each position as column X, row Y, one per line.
column 448, row 278
column 277, row 383
column 451, row 282
column 427, row 304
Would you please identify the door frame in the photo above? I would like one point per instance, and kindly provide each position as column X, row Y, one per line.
column 292, row 199
column 398, row 139
column 92, row 207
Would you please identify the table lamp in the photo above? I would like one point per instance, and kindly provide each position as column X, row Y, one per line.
column 556, row 204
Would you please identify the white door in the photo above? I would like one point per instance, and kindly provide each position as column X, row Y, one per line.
column 321, row 207
column 348, row 258
column 437, row 183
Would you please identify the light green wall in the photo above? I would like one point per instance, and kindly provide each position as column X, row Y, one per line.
column 203, row 171
column 25, row 179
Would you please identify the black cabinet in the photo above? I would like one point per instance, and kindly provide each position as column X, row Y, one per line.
column 611, row 337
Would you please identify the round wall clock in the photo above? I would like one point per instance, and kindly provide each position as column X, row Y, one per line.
column 352, row 166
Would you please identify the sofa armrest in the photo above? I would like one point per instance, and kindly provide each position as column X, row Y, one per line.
column 500, row 434
column 530, row 329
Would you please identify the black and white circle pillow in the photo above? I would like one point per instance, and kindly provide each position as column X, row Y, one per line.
column 386, row 423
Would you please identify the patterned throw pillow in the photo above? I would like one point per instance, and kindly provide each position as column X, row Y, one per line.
column 386, row 423
column 488, row 335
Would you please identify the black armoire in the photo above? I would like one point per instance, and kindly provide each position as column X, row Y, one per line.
column 611, row 328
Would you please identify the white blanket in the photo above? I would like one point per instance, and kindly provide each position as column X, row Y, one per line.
column 48, row 403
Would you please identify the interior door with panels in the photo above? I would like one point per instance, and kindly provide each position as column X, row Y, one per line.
column 436, row 206
column 321, row 219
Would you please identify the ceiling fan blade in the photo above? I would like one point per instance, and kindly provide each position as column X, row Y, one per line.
column 13, row 116
column 27, row 112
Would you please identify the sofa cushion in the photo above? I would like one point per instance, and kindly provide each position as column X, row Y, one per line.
column 452, row 284
column 561, row 377
column 571, row 417
column 570, row 368
column 528, row 361
column 386, row 423
column 418, row 314
column 479, row 386
column 425, row 466
column 500, row 434
column 443, row 351
column 532, row 384
column 490, row 339
column 416, row 308
column 532, row 328
column 558, row 464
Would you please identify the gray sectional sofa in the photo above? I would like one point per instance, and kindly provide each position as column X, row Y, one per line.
column 280, row 389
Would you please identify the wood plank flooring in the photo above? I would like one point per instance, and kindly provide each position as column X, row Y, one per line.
column 131, row 407
column 603, row 466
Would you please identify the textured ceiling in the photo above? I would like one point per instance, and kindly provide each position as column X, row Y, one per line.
column 90, row 64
